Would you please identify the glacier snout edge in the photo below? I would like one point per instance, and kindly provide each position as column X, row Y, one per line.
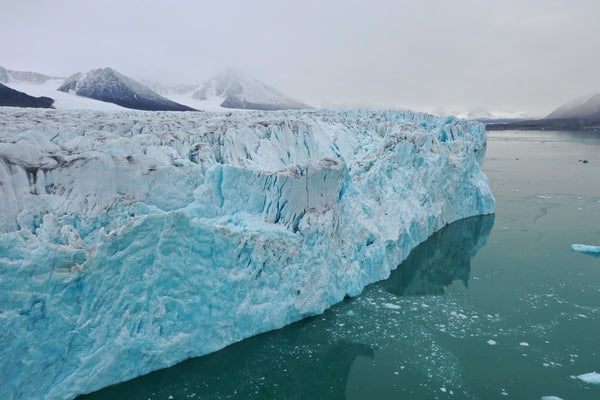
column 132, row 241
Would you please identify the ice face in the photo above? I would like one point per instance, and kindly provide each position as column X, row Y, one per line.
column 132, row 241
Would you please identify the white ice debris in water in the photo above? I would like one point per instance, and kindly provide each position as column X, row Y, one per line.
column 491, row 342
column 590, row 377
column 551, row 398
column 131, row 241
column 392, row 306
column 584, row 248
column 525, row 344
column 544, row 197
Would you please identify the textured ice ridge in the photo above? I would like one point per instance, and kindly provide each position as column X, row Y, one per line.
column 131, row 241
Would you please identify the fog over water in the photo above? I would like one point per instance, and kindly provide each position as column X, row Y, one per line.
column 527, row 56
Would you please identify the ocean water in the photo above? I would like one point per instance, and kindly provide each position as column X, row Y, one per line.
column 491, row 307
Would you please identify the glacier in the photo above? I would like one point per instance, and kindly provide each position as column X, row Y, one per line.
column 130, row 241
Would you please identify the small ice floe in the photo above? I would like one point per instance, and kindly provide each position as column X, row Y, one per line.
column 544, row 197
column 587, row 249
column 524, row 344
column 458, row 315
column 492, row 342
column 551, row 398
column 392, row 306
column 590, row 377
column 350, row 313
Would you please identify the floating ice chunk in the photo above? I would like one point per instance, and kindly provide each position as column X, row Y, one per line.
column 392, row 306
column 551, row 398
column 590, row 377
column 492, row 342
column 525, row 344
column 584, row 248
column 544, row 197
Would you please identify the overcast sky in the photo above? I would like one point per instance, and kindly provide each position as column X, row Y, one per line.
column 432, row 55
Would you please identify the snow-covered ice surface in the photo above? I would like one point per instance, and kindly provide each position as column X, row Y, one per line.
column 131, row 241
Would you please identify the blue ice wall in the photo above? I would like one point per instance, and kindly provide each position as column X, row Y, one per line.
column 132, row 241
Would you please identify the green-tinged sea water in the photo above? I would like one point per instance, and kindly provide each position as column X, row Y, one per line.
column 492, row 307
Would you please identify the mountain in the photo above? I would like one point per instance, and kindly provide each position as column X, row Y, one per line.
column 587, row 108
column 578, row 114
column 182, row 89
column 108, row 85
column 13, row 98
column 239, row 90
column 8, row 76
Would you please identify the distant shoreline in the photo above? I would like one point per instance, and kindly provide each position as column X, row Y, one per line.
column 546, row 124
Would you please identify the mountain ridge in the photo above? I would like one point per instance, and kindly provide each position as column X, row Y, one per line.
column 241, row 91
column 585, row 108
column 10, row 97
column 106, row 84
column 7, row 76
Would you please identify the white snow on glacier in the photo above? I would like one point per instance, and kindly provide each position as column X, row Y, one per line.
column 131, row 241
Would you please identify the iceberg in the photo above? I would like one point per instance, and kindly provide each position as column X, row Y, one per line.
column 587, row 249
column 590, row 377
column 130, row 241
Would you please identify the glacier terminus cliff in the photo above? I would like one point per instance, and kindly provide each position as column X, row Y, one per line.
column 130, row 241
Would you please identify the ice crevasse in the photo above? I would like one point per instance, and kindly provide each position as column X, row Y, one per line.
column 131, row 241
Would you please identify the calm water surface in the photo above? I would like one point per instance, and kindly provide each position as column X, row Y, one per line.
column 493, row 307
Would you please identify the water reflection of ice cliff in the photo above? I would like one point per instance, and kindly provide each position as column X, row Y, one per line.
column 441, row 259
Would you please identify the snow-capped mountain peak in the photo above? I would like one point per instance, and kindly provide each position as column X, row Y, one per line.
column 240, row 90
column 583, row 108
column 108, row 85
column 10, row 76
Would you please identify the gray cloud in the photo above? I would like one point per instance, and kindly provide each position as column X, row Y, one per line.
column 527, row 55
